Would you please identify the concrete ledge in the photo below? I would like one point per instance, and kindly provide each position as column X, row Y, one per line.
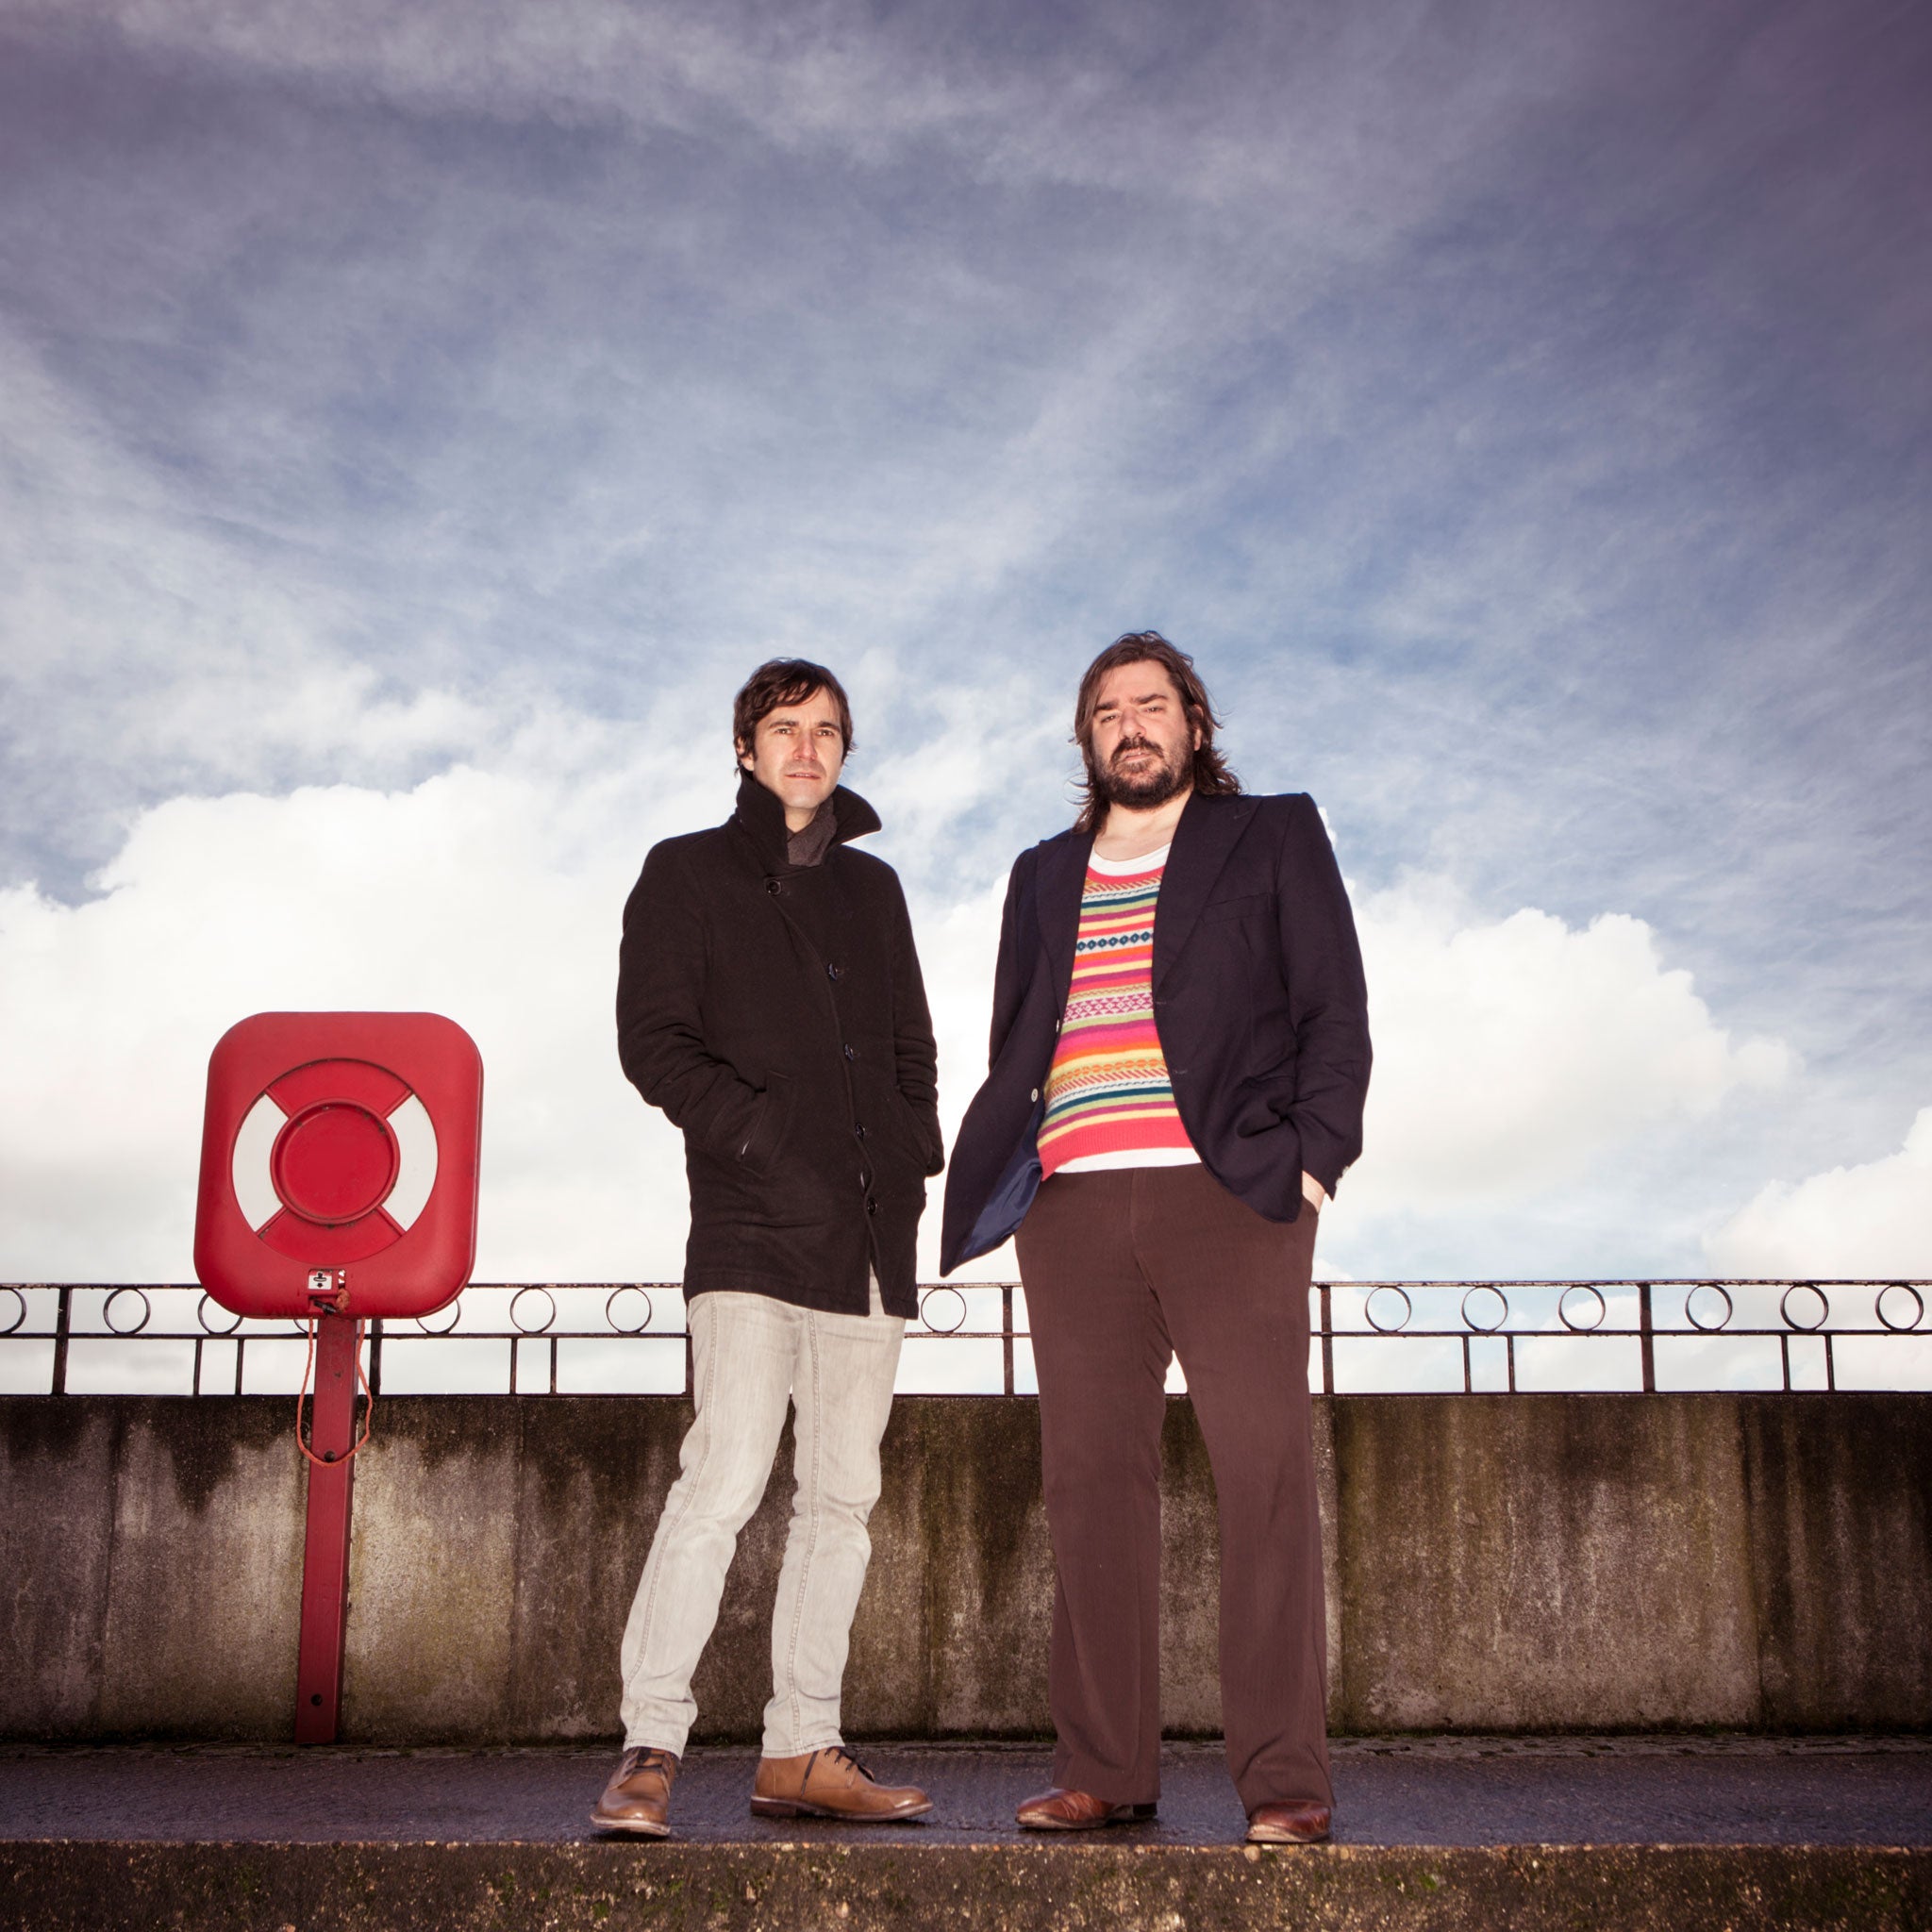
column 103, row 1887
column 1528, row 1563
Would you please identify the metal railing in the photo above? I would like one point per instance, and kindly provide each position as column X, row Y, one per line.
column 629, row 1337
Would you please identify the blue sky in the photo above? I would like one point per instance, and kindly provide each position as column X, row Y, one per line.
column 414, row 422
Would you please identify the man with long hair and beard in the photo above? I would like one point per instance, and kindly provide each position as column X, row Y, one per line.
column 1179, row 1057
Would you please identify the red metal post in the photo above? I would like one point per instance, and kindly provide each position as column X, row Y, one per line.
column 325, row 1550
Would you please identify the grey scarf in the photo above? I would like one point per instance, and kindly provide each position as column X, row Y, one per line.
column 811, row 846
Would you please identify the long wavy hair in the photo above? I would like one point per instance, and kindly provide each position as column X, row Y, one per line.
column 1212, row 777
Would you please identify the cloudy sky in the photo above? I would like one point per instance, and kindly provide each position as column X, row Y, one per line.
column 415, row 419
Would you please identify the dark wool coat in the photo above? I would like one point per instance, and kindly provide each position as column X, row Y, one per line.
column 776, row 1012
column 1259, row 1001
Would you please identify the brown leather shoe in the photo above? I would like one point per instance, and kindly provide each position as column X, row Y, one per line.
column 1299, row 1821
column 831, row 1783
column 638, row 1798
column 1062, row 1810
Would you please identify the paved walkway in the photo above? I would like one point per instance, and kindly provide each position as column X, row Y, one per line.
column 1472, row 1792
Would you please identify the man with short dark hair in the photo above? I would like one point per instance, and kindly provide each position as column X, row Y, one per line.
column 768, row 1000
column 1180, row 1054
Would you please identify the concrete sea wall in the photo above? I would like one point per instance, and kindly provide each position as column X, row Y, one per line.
column 1524, row 1562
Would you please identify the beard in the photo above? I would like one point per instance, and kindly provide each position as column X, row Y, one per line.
column 1141, row 791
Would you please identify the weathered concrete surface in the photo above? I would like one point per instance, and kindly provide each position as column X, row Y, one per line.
column 1506, row 1562
column 1540, row 1561
column 152, row 1557
column 1841, row 1526
column 103, row 1887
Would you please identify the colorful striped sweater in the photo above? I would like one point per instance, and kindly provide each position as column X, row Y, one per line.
column 1109, row 1100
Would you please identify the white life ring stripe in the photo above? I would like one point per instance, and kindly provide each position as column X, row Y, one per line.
column 253, row 1144
column 415, row 1173
column 415, row 1135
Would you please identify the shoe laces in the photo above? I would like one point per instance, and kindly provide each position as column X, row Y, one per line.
column 851, row 1758
column 647, row 1758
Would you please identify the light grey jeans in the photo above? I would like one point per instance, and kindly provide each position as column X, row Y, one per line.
column 749, row 1356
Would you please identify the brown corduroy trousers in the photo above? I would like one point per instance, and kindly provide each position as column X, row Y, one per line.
column 1122, row 1269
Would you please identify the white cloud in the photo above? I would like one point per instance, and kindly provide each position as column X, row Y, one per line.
column 490, row 894
column 1852, row 1223
column 492, row 897
column 1512, row 1056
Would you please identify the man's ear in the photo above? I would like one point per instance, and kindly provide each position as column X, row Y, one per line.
column 743, row 753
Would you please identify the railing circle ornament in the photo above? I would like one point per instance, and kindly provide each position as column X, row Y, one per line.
column 532, row 1324
column 138, row 1324
column 201, row 1308
column 1400, row 1322
column 1793, row 1317
column 616, row 1321
column 19, row 1310
column 1910, row 1294
column 1708, row 1308
column 452, row 1309
column 1587, row 1299
column 1475, row 1310
column 959, row 1303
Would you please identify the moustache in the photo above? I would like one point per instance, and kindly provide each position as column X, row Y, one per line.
column 1127, row 745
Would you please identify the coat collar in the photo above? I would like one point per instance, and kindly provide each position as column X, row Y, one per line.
column 1061, row 879
column 761, row 813
column 1209, row 831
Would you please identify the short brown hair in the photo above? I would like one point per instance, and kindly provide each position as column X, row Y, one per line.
column 785, row 681
column 1212, row 779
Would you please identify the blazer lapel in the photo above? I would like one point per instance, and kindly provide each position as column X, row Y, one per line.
column 1209, row 831
column 1061, row 879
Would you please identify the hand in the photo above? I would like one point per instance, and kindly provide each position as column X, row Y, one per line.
column 1313, row 1192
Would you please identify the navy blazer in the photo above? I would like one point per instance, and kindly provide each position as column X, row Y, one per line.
column 1259, row 999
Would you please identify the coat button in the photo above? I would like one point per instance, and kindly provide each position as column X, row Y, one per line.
column 851, row 1052
column 1035, row 1094
column 831, row 973
column 771, row 885
column 859, row 1131
column 872, row 1204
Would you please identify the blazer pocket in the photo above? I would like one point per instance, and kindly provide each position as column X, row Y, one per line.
column 1249, row 906
column 1261, row 1105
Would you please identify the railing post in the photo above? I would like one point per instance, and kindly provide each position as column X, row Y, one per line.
column 375, row 1358
column 62, row 1321
column 1327, row 1340
column 1647, row 1334
column 1007, row 1333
